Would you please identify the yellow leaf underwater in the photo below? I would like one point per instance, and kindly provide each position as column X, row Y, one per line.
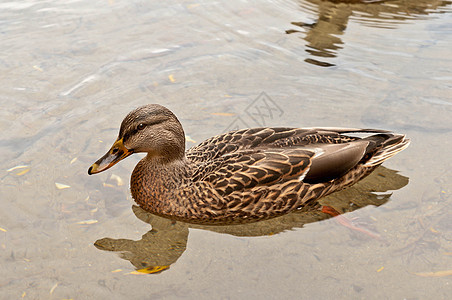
column 86, row 222
column 23, row 172
column 16, row 167
column 433, row 230
column 2, row 229
column 61, row 186
column 150, row 270
column 116, row 178
column 38, row 68
column 223, row 114
column 53, row 288
column 435, row 274
column 189, row 139
column 116, row 271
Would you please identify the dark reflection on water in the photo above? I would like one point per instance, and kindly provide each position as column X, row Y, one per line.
column 166, row 242
column 324, row 34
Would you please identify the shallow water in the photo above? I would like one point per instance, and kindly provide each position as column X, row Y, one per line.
column 71, row 70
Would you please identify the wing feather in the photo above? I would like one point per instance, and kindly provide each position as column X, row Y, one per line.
column 255, row 138
column 248, row 169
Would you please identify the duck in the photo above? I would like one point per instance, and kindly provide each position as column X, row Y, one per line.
column 244, row 175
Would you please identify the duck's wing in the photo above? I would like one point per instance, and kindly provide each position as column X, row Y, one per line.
column 247, row 169
column 310, row 155
column 362, row 154
column 266, row 137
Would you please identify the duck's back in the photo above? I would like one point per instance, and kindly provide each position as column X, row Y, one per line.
column 262, row 156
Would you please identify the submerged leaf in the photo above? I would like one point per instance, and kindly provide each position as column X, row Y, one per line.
column 435, row 274
column 189, row 139
column 53, row 288
column 150, row 270
column 17, row 167
column 433, row 230
column 87, row 222
column 223, row 114
column 2, row 229
column 118, row 179
column 23, row 172
column 61, row 186
column 38, row 68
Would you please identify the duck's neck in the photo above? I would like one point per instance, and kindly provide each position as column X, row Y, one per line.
column 154, row 181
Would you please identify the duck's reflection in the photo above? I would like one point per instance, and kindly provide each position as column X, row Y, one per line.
column 165, row 243
column 323, row 36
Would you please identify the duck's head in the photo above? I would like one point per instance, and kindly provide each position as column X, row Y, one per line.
column 151, row 128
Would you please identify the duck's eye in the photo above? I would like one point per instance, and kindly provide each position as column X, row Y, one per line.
column 140, row 126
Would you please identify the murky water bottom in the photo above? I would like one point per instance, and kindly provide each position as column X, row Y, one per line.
column 72, row 70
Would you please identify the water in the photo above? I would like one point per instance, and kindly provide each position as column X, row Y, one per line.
column 71, row 70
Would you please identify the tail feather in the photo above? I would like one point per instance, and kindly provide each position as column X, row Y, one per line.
column 393, row 145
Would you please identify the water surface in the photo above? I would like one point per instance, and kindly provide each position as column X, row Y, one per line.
column 71, row 70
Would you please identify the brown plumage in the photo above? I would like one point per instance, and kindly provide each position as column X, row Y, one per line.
column 245, row 175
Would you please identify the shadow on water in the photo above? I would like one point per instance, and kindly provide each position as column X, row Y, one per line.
column 167, row 240
column 323, row 36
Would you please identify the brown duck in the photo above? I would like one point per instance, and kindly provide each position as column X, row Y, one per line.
column 245, row 175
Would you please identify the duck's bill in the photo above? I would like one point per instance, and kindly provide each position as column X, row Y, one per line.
column 117, row 153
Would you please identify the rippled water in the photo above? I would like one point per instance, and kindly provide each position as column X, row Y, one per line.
column 71, row 70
